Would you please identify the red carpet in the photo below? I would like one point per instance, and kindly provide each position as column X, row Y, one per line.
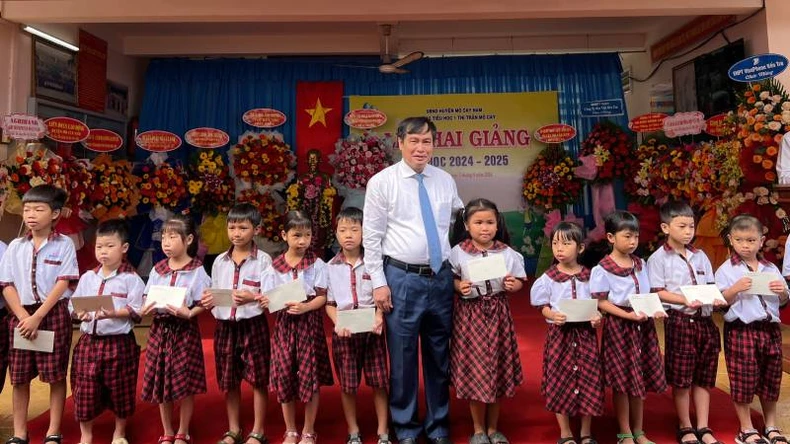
column 524, row 419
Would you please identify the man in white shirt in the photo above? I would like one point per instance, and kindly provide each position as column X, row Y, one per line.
column 407, row 216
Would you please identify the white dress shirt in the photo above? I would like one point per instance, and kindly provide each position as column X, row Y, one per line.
column 192, row 277
column 461, row 254
column 35, row 272
column 783, row 162
column 748, row 307
column 225, row 274
column 392, row 224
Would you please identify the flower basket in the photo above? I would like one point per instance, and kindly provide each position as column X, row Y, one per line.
column 549, row 182
column 262, row 160
column 211, row 187
column 115, row 191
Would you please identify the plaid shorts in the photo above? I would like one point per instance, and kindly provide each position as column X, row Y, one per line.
column 753, row 353
column 361, row 352
column 241, row 352
column 104, row 375
column 25, row 365
column 4, row 344
column 692, row 350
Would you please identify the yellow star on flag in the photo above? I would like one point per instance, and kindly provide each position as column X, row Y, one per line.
column 317, row 114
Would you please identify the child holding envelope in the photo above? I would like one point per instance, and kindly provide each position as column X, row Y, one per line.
column 484, row 361
column 174, row 368
column 241, row 339
column 300, row 357
column 35, row 273
column 752, row 338
column 632, row 363
column 106, row 358
column 692, row 339
column 578, row 372
column 350, row 288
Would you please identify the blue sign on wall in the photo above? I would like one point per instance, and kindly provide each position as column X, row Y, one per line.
column 602, row 108
column 758, row 67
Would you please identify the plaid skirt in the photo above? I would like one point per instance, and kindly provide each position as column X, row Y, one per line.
column 632, row 362
column 362, row 352
column 692, row 350
column 753, row 353
column 300, row 356
column 4, row 344
column 25, row 365
column 174, row 367
column 572, row 381
column 241, row 352
column 104, row 375
column 484, row 360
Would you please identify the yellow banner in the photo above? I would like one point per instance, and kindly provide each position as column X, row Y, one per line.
column 484, row 140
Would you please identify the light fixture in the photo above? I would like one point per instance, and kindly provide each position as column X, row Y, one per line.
column 50, row 38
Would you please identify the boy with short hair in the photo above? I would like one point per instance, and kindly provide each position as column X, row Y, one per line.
column 35, row 274
column 752, row 338
column 106, row 357
column 241, row 339
column 692, row 343
column 349, row 288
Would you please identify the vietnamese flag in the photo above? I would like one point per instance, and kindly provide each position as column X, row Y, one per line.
column 319, row 120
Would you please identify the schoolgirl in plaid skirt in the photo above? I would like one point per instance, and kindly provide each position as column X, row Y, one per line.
column 632, row 363
column 106, row 357
column 174, row 366
column 572, row 381
column 300, row 356
column 752, row 337
column 484, row 360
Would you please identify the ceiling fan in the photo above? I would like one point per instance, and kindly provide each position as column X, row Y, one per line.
column 388, row 66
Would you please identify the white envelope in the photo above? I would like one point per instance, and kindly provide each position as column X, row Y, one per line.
column 291, row 292
column 578, row 310
column 761, row 281
column 487, row 268
column 647, row 303
column 360, row 320
column 222, row 297
column 92, row 303
column 162, row 296
column 705, row 294
column 44, row 342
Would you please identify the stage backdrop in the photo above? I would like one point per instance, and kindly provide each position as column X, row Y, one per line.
column 484, row 140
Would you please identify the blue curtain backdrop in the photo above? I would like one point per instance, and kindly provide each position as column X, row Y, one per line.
column 181, row 94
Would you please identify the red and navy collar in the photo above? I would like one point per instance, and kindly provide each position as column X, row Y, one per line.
column 253, row 251
column 608, row 264
column 125, row 267
column 691, row 248
column 736, row 259
column 469, row 247
column 340, row 258
column 53, row 233
column 163, row 267
column 556, row 275
column 281, row 266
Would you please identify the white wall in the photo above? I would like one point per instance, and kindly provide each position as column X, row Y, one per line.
column 753, row 31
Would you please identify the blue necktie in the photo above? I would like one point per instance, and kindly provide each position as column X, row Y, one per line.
column 431, row 232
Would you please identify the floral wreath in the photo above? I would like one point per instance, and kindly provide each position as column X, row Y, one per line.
column 31, row 167
column 610, row 147
column 549, row 182
column 357, row 158
column 262, row 160
column 211, row 187
column 163, row 185
column 115, row 191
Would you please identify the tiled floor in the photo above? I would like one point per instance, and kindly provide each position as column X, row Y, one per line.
column 40, row 394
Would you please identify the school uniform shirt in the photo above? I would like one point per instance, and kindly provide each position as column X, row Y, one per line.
column 554, row 285
column 348, row 286
column 126, row 289
column 192, row 277
column 748, row 307
column 312, row 276
column 462, row 253
column 610, row 281
column 668, row 270
column 226, row 274
column 393, row 221
column 35, row 272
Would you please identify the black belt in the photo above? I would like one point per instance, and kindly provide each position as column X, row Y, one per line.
column 418, row 269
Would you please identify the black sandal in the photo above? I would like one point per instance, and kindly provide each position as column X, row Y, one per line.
column 53, row 438
column 587, row 439
column 566, row 440
column 706, row 431
column 743, row 437
column 17, row 440
column 687, row 431
column 235, row 436
column 775, row 439
column 260, row 437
